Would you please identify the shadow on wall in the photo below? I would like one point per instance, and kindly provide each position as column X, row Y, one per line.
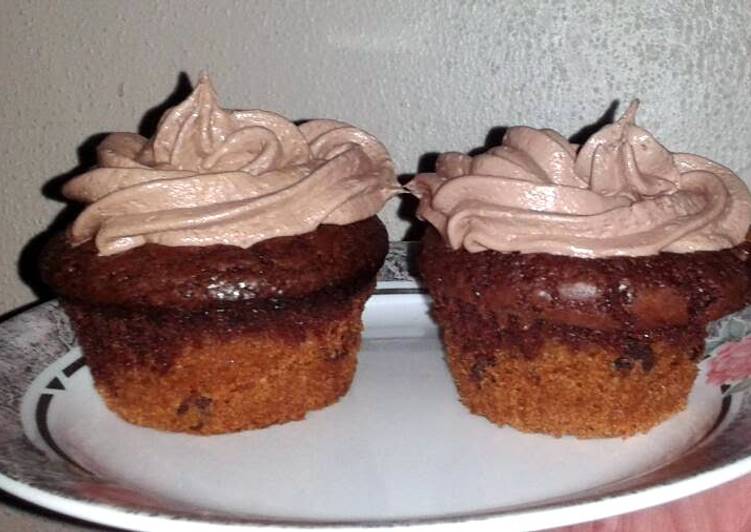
column 608, row 117
column 28, row 261
column 149, row 122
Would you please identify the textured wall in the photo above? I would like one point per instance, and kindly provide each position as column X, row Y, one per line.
column 423, row 76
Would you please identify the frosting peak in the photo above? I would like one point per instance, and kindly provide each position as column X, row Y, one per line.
column 621, row 193
column 216, row 176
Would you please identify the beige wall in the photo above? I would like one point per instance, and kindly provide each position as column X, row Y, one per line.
column 423, row 76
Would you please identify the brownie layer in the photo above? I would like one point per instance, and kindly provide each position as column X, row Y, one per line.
column 193, row 277
column 222, row 370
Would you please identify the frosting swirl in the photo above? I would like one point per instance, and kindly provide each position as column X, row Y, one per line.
column 215, row 176
column 621, row 193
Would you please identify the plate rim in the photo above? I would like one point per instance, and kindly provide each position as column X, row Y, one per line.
column 532, row 516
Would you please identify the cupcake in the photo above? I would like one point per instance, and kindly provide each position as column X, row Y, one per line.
column 573, row 285
column 217, row 274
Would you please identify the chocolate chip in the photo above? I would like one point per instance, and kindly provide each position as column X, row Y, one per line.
column 623, row 364
column 481, row 364
column 201, row 403
column 639, row 350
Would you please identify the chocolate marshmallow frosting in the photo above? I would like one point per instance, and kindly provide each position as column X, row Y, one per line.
column 621, row 193
column 215, row 176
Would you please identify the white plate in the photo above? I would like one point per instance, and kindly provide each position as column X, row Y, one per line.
column 397, row 450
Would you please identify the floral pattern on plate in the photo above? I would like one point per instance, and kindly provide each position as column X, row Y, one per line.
column 728, row 347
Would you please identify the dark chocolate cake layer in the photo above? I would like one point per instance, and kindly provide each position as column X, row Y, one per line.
column 193, row 277
column 611, row 294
